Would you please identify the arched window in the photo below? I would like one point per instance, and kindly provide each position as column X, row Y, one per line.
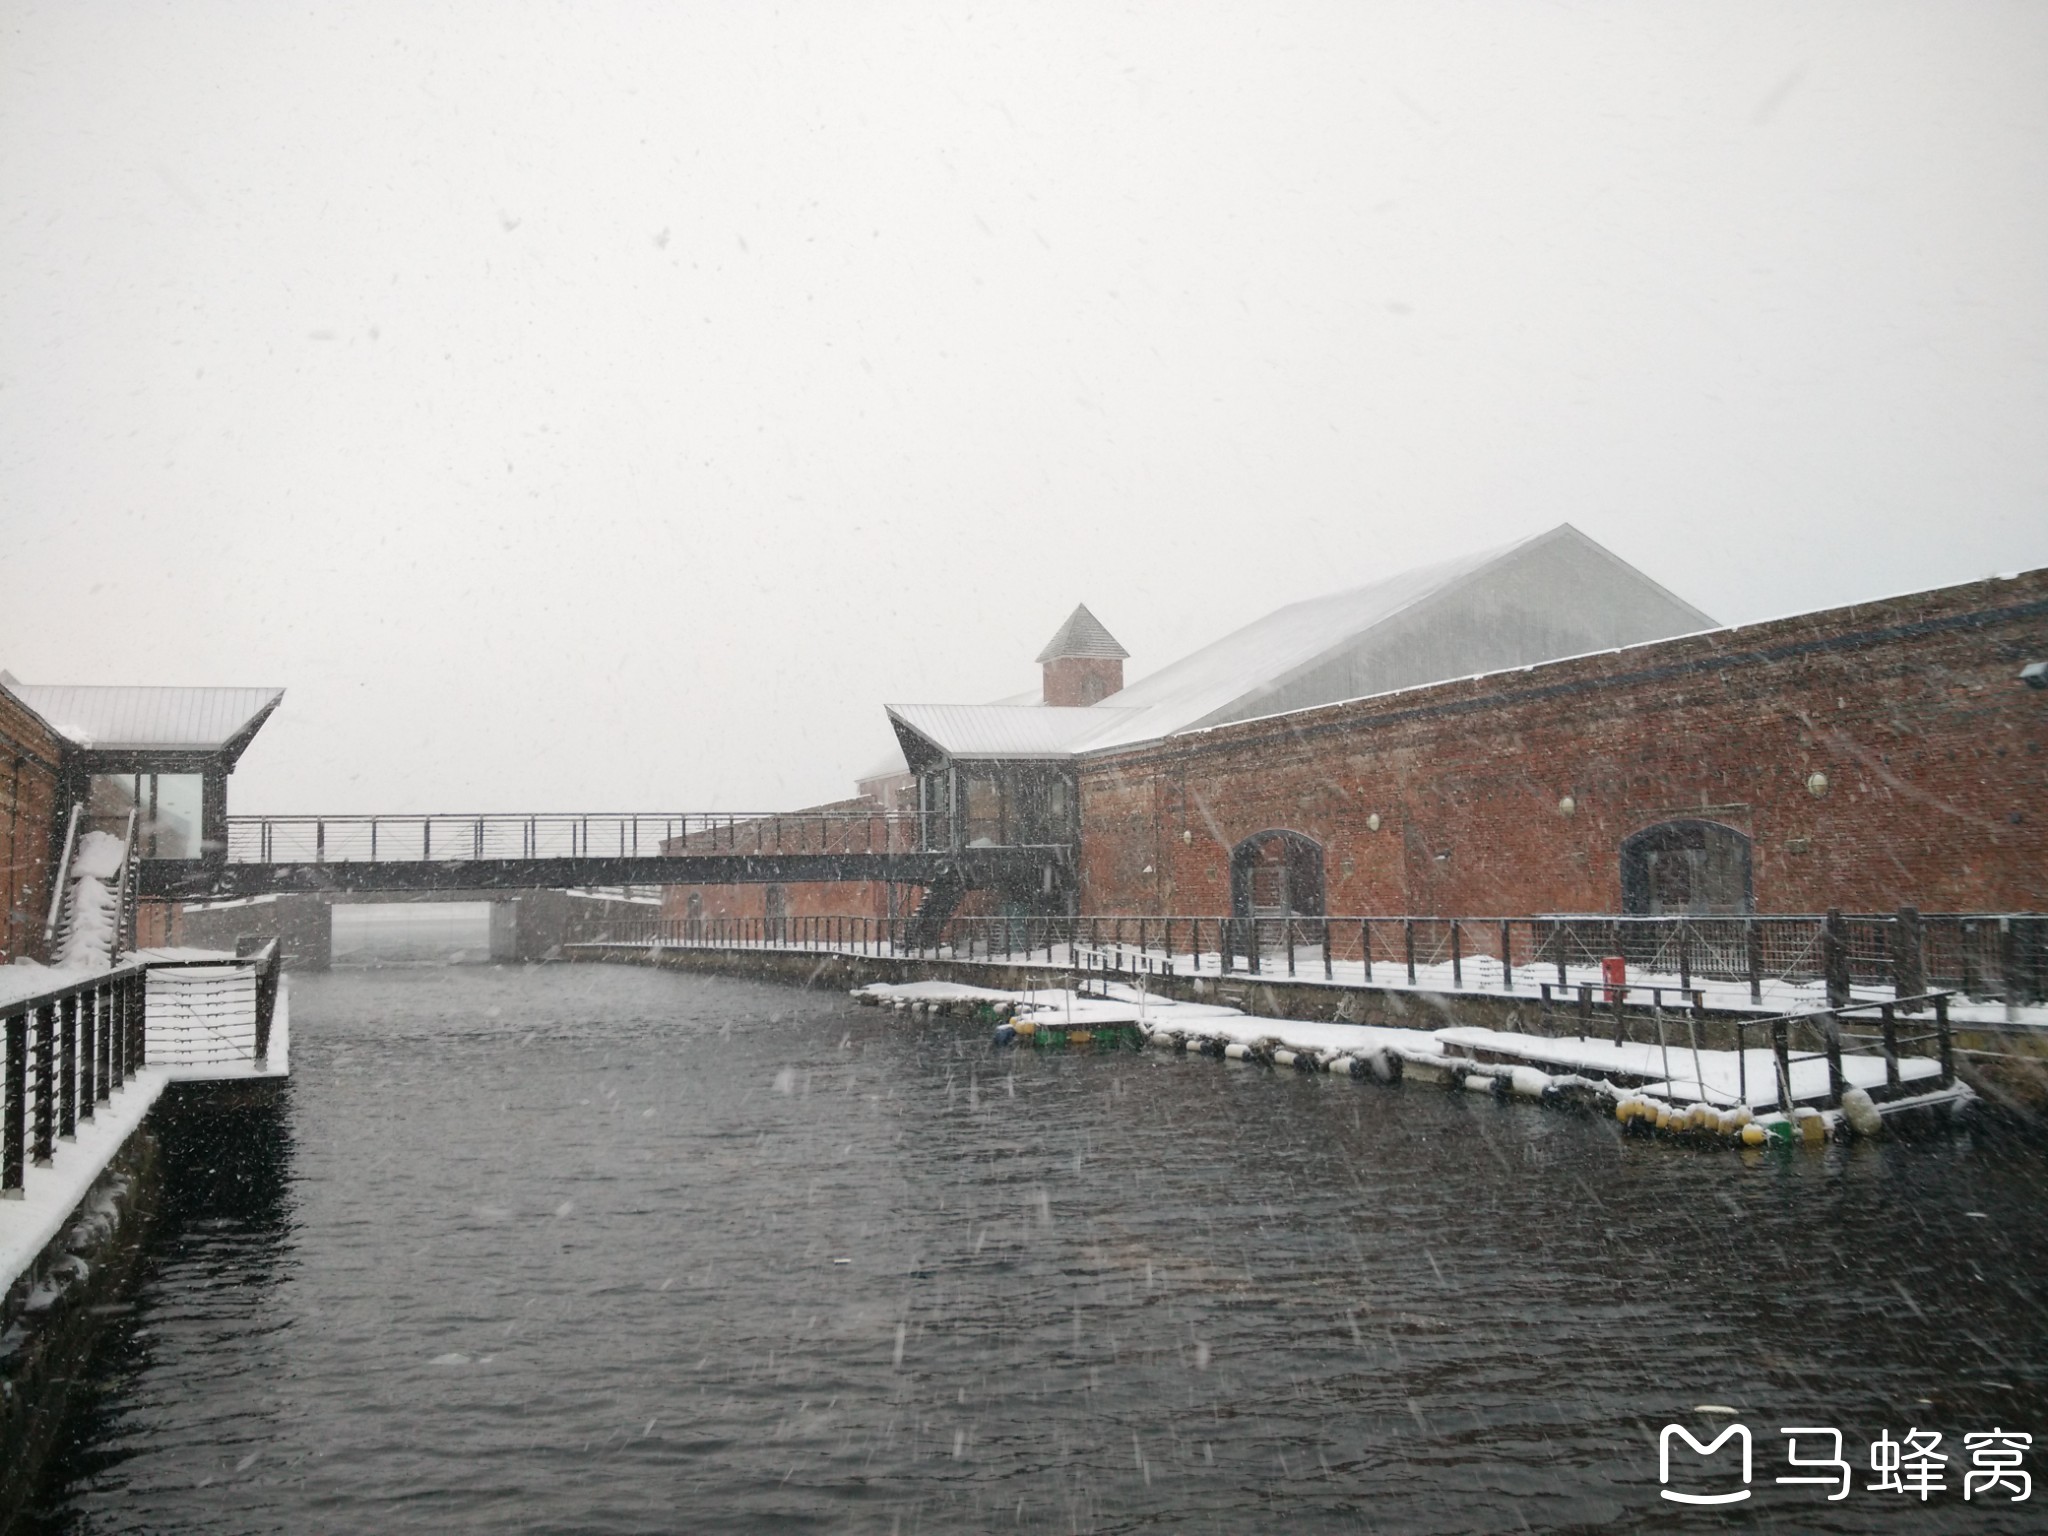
column 1277, row 874
column 1686, row 868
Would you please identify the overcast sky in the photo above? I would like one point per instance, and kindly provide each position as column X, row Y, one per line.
column 582, row 407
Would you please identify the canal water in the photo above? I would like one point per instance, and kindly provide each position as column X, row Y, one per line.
column 608, row 1249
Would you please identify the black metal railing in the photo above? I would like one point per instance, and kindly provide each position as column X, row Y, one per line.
column 69, row 1049
column 611, row 835
column 1819, row 960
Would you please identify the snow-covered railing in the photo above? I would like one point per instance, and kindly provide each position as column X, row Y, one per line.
column 1757, row 962
column 67, row 1050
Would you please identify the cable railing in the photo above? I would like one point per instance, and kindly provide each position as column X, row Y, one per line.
column 1743, row 963
column 578, row 835
column 67, row 1050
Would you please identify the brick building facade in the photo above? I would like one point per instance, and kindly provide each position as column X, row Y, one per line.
column 1866, row 757
column 32, row 765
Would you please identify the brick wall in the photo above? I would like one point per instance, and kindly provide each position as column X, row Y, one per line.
column 30, row 759
column 1075, row 682
column 856, row 825
column 1936, row 758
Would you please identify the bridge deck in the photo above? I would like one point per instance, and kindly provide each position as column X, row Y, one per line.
column 269, row 854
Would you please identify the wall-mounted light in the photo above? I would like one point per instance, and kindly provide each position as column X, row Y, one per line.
column 1187, row 834
column 1567, row 806
column 1372, row 822
column 2035, row 674
column 1816, row 784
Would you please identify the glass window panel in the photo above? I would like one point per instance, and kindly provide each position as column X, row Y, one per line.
column 172, row 827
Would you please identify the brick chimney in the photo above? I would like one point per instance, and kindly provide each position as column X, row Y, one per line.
column 1083, row 663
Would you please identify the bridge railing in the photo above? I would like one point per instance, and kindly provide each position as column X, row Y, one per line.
column 1774, row 963
column 623, row 835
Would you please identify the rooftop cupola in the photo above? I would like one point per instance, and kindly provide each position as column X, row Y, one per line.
column 1083, row 663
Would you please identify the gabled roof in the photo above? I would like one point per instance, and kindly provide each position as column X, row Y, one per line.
column 99, row 719
column 1307, row 653
column 1226, row 679
column 1083, row 635
column 993, row 731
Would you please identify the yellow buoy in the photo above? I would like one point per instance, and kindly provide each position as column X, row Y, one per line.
column 1753, row 1135
column 1814, row 1128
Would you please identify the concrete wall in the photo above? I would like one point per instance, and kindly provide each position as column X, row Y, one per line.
column 1935, row 755
column 526, row 926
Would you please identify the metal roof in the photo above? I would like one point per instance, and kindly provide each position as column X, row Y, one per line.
column 1005, row 731
column 150, row 719
column 1083, row 635
column 1229, row 679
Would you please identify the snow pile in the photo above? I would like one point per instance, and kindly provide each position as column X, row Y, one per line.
column 95, row 902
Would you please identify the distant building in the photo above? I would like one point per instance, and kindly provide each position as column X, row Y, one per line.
column 1008, row 773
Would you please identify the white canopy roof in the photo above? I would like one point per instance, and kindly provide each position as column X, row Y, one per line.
column 1007, row 731
column 150, row 719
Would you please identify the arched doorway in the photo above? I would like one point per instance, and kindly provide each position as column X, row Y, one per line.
column 1687, row 868
column 775, row 909
column 1275, row 877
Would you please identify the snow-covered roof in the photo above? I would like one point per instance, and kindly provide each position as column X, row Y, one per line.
column 1347, row 645
column 1083, row 635
column 1006, row 731
column 150, row 719
column 1205, row 682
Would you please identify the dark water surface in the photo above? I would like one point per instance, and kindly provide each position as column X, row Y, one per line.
column 555, row 1250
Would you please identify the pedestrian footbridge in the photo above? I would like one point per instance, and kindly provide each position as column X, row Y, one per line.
column 263, row 855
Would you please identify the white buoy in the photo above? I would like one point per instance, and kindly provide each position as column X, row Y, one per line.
column 1237, row 1050
column 1861, row 1112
